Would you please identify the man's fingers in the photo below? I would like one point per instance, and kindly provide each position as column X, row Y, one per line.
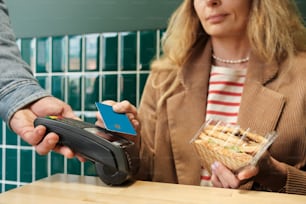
column 64, row 150
column 33, row 136
column 50, row 142
column 47, row 144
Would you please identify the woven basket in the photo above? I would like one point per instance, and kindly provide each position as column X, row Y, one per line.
column 209, row 153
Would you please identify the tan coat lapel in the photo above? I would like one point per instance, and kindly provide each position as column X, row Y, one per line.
column 186, row 111
column 261, row 106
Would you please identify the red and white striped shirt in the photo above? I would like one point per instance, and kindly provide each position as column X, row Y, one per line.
column 223, row 101
column 224, row 94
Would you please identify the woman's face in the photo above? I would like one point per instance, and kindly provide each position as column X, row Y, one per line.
column 223, row 18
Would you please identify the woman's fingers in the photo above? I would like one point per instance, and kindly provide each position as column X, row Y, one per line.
column 121, row 107
column 125, row 107
column 224, row 176
column 216, row 182
column 248, row 172
column 109, row 102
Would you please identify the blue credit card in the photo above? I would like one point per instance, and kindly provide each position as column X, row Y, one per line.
column 115, row 122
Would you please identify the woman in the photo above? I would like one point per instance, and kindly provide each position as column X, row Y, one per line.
column 257, row 48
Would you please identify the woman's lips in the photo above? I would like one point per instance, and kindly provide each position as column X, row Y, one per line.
column 216, row 18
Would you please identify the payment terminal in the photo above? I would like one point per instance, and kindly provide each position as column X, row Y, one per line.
column 115, row 157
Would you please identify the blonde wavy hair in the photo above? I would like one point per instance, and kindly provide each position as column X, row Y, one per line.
column 275, row 29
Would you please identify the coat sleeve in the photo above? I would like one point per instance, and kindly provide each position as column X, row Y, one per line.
column 147, row 118
column 296, row 181
column 18, row 87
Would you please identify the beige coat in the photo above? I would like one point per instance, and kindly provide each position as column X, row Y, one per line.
column 274, row 98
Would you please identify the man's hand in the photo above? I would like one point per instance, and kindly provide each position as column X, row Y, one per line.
column 22, row 124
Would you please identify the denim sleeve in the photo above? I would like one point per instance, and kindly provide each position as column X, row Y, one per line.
column 18, row 87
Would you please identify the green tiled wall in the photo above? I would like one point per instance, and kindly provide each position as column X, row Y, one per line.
column 80, row 70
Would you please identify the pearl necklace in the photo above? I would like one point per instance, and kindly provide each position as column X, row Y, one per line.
column 239, row 61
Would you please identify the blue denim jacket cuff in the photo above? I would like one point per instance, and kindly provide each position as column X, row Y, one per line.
column 18, row 98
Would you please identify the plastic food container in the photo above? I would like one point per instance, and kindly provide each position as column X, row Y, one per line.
column 229, row 144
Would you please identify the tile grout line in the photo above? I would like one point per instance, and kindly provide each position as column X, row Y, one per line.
column 83, row 60
column 18, row 161
column 138, row 68
column 119, row 67
column 49, row 155
column 66, row 54
column 3, row 156
column 34, row 49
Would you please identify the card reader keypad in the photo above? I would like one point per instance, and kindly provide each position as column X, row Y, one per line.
column 72, row 122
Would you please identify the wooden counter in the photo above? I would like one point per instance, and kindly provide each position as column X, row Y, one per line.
column 65, row 189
